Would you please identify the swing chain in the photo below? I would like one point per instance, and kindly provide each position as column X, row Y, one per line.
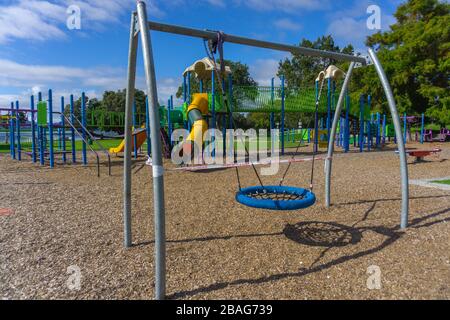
column 301, row 140
column 212, row 47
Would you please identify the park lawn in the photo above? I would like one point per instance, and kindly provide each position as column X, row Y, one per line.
column 107, row 143
column 442, row 181
column 112, row 143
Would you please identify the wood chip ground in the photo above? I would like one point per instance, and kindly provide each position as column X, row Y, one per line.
column 68, row 218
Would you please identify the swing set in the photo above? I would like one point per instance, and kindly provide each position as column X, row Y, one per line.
column 267, row 197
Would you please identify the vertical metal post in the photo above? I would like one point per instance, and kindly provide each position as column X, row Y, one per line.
column 132, row 56
column 19, row 146
column 398, row 133
column 83, row 122
column 328, row 161
column 405, row 127
column 224, row 135
column 188, row 98
column 369, row 133
column 272, row 114
column 347, row 124
column 11, row 135
column 361, row 123
column 224, row 121
column 201, row 86
column 41, row 137
column 158, row 171
column 282, row 114
column 213, row 112
column 33, row 130
column 184, row 88
column 135, row 149
column 272, row 101
column 377, row 140
column 316, row 121
column 230, row 113
column 72, row 130
column 169, row 121
column 328, row 123
column 147, row 126
column 13, row 131
column 63, row 128
column 384, row 129
column 50, row 128
column 422, row 128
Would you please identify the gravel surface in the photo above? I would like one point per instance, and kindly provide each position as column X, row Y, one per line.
column 67, row 220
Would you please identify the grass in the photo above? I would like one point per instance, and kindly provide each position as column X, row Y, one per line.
column 109, row 143
column 447, row 182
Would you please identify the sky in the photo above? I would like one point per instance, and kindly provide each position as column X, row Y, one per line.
column 38, row 51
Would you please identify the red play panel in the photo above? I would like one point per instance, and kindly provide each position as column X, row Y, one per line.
column 420, row 154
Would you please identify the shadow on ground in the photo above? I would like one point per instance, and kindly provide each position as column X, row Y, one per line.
column 320, row 234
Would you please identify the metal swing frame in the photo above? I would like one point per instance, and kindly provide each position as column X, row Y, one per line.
column 140, row 26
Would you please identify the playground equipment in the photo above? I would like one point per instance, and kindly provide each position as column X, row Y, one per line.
column 363, row 129
column 38, row 124
column 420, row 154
column 276, row 197
column 140, row 26
column 196, row 112
column 139, row 136
column 282, row 197
column 442, row 136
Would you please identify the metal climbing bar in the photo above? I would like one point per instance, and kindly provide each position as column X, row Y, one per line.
column 212, row 35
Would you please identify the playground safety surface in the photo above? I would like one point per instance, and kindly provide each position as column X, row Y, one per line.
column 67, row 218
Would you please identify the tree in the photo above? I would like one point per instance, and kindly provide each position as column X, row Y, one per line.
column 415, row 53
column 115, row 101
column 301, row 71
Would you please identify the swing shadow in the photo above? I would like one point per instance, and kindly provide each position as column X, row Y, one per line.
column 320, row 234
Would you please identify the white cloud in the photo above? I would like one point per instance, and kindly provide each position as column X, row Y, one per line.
column 22, row 23
column 263, row 70
column 6, row 99
column 166, row 88
column 350, row 25
column 31, row 79
column 290, row 6
column 44, row 20
column 22, row 75
column 287, row 24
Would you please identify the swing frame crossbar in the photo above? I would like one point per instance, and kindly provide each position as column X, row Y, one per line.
column 140, row 28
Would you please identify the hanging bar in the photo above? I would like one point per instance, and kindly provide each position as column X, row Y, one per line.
column 212, row 35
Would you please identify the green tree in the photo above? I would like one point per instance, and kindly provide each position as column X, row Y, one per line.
column 115, row 101
column 415, row 53
column 301, row 71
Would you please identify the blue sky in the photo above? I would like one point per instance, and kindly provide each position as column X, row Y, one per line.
column 38, row 51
